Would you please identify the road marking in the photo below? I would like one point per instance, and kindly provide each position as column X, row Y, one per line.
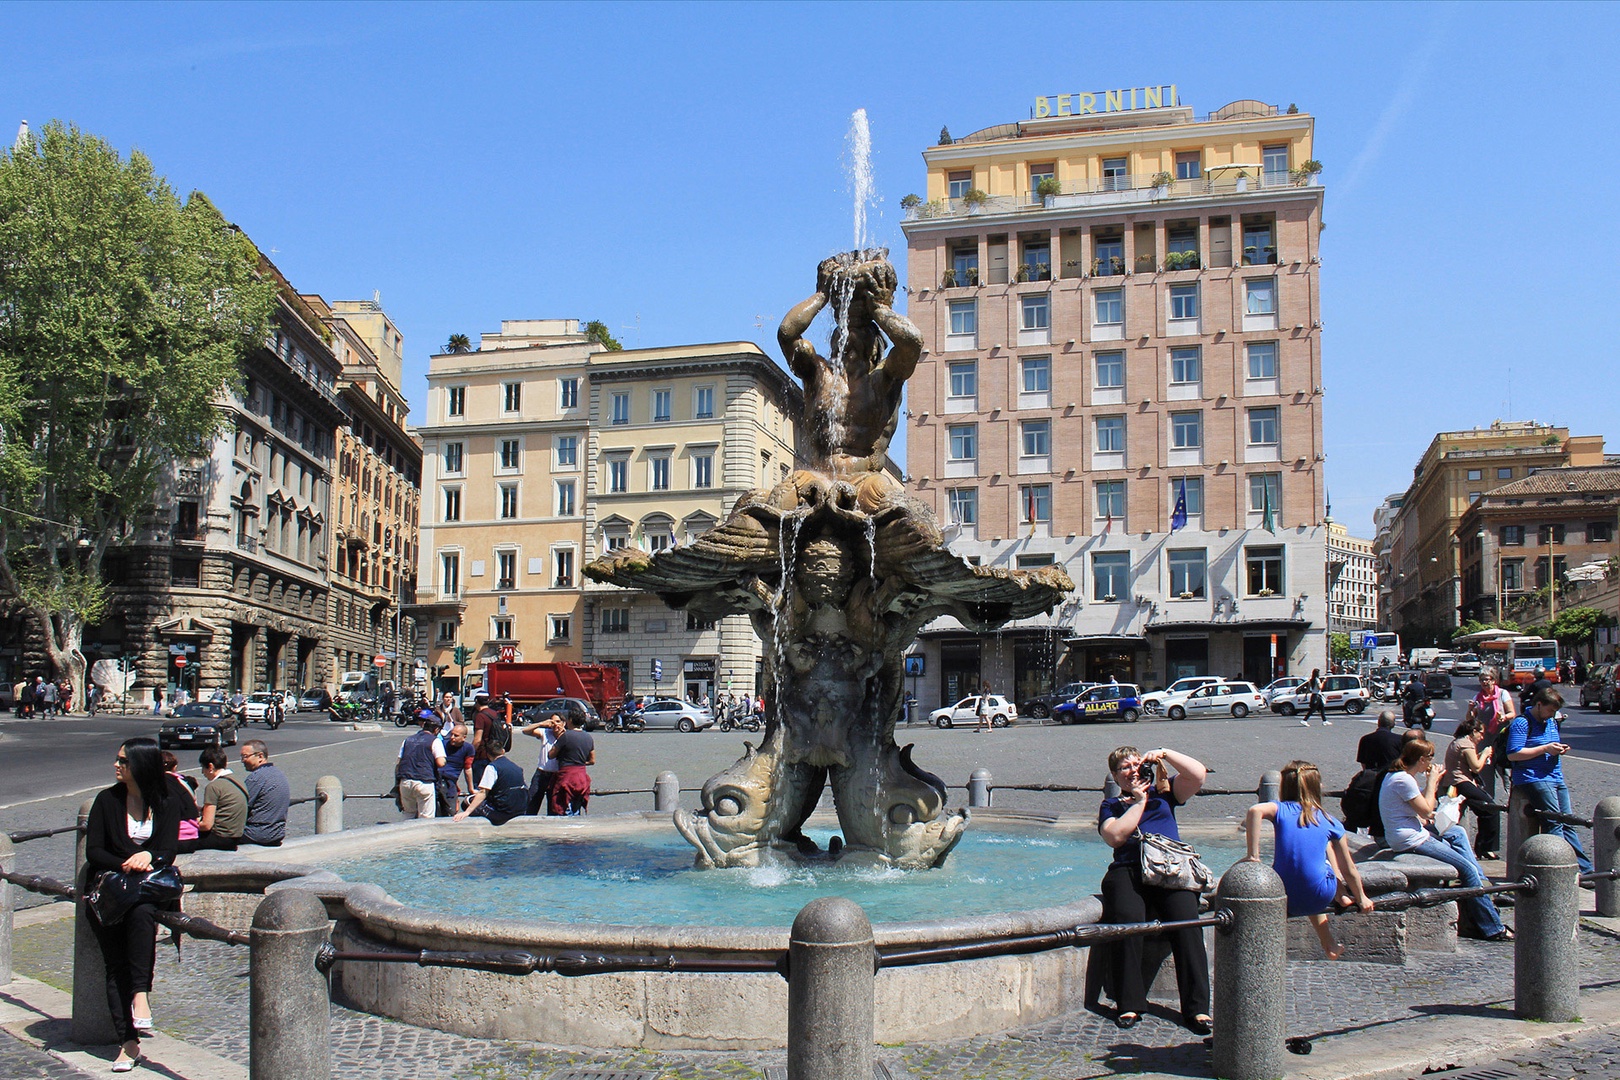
column 99, row 787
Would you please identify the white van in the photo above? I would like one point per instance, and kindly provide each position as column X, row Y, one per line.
column 1422, row 658
column 350, row 682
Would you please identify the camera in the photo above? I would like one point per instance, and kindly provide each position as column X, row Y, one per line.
column 1144, row 772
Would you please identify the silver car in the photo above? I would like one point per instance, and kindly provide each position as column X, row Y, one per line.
column 671, row 713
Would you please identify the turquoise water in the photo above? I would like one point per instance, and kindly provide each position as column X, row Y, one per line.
column 648, row 878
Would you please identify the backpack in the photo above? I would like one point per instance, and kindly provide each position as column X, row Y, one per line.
column 1360, row 801
column 498, row 736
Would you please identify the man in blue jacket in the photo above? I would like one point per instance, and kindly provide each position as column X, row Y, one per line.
column 1537, row 758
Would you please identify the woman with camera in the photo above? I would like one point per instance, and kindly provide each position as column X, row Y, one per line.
column 134, row 827
column 1148, row 796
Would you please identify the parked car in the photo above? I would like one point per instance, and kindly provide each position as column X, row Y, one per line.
column 1347, row 692
column 310, row 700
column 1041, row 706
column 563, row 706
column 1280, row 686
column 1599, row 680
column 1438, row 684
column 672, row 713
column 1236, row 698
column 1153, row 701
column 1002, row 712
column 1109, row 701
column 198, row 723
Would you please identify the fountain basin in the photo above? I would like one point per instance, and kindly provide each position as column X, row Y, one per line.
column 461, row 908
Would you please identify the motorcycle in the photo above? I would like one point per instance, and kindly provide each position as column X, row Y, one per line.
column 346, row 712
column 629, row 719
column 1417, row 713
column 735, row 719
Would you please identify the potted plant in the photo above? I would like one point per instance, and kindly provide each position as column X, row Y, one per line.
column 947, row 280
column 1267, row 592
column 975, row 199
column 1116, row 265
column 1184, row 595
column 1161, row 183
column 1022, row 274
column 1249, row 253
column 973, row 276
column 912, row 201
column 1306, row 173
column 1110, row 598
column 1271, row 253
column 1047, row 188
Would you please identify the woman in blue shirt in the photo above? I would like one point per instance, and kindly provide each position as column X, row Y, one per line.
column 1147, row 801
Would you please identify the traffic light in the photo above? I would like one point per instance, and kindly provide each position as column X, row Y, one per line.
column 463, row 655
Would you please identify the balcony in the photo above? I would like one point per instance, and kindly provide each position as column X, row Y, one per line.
column 247, row 543
column 189, row 532
column 1116, row 191
column 1261, row 256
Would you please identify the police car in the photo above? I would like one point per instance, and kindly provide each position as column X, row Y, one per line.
column 1111, row 701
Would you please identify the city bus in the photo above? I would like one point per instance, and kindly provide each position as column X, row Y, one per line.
column 1379, row 649
column 1525, row 654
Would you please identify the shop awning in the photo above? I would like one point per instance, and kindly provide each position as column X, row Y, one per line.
column 1128, row 640
column 1245, row 626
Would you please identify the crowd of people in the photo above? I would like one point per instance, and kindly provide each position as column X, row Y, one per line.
column 40, row 696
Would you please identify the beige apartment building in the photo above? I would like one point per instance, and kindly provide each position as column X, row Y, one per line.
column 676, row 436
column 544, row 450
column 1121, row 309
column 1459, row 467
column 376, row 495
column 1352, row 577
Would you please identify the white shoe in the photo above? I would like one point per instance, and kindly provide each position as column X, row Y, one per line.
column 1327, row 723
column 123, row 1065
column 1304, row 723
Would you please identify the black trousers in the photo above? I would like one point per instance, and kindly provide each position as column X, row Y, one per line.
column 129, row 951
column 1488, row 836
column 1126, row 900
column 1316, row 705
column 209, row 841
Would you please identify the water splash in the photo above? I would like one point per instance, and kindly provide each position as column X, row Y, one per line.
column 860, row 171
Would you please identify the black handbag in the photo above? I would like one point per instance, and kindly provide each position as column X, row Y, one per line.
column 116, row 891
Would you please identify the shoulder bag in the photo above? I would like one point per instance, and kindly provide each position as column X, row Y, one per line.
column 1171, row 864
column 116, row 891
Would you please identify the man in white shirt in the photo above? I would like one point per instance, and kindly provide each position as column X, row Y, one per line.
column 545, row 774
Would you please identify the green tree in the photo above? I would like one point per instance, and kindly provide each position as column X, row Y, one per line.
column 123, row 314
column 1340, row 650
column 1577, row 625
column 458, row 343
column 598, row 332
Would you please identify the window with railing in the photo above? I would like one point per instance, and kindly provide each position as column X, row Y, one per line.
column 568, row 393
column 964, row 265
column 618, row 470
column 661, row 406
column 1108, row 254
column 1274, row 165
column 1259, row 242
column 506, row 569
column 615, row 620
column 1036, row 264
column 621, row 407
column 703, row 403
column 1116, row 174
column 703, row 470
column 562, row 561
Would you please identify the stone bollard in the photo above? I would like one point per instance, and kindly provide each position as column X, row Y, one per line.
column 1519, row 827
column 979, row 789
column 1110, row 787
column 1606, row 853
column 832, row 992
column 8, row 863
column 92, row 1016
column 666, row 792
column 1270, row 787
column 1251, row 964
column 1546, row 965
column 289, row 1004
column 328, row 805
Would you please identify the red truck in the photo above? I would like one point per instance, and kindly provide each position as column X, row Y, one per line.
column 529, row 684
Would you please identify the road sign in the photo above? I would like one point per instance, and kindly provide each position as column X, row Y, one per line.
column 380, row 661
column 508, row 654
column 657, row 671
column 180, row 661
column 178, row 650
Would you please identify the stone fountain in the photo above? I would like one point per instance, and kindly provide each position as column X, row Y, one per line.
column 838, row 569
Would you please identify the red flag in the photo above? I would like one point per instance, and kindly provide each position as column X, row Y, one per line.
column 1029, row 509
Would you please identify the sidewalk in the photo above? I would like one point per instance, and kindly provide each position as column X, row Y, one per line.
column 1442, row 1014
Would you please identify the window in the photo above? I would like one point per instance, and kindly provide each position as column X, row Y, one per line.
column 509, row 501
column 1115, row 174
column 1274, row 160
column 453, row 458
column 450, row 573
column 621, row 407
column 964, row 379
column 1195, row 493
column 1035, row 503
column 1109, row 250
column 1037, row 437
column 959, row 184
column 1474, row 496
column 1187, row 573
column 1476, row 474
column 618, row 474
column 1512, row 575
column 447, row 631
column 1111, row 500
column 615, row 620
column 1186, row 430
column 1260, row 296
column 616, row 541
column 511, row 456
column 1185, row 366
column 456, row 401
column 1504, row 474
column 965, row 262
column 1110, row 434
column 1513, row 536
column 565, row 498
column 568, row 393
column 1110, row 370
column 1265, row 570
column 964, row 506
column 1559, row 568
column 501, row 628
column 1259, row 246
column 561, row 628
column 1036, row 312
column 185, row 573
column 1110, row 307
column 1262, row 359
column 660, row 472
column 659, row 541
column 703, row 403
column 696, row 622
column 1037, row 374
column 964, row 442
column 1184, row 301
column 512, row 397
column 1110, row 575
column 661, row 405
column 964, row 317
column 1549, row 534
column 1263, row 426
column 1037, row 173
column 452, row 504
column 1189, row 165
column 562, row 560
column 1030, row 562
column 1263, row 487
column 703, row 470
column 1599, row 532
column 506, row 569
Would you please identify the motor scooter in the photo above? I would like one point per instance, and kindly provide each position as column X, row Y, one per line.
column 1419, row 712
column 736, row 719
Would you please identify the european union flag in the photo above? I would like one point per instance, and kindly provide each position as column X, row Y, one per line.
column 1178, row 516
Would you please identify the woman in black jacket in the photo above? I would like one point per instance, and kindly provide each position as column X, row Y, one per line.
column 134, row 826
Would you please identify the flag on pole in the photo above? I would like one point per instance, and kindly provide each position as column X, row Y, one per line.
column 641, row 539
column 1109, row 524
column 1029, row 510
column 1178, row 516
column 1268, row 512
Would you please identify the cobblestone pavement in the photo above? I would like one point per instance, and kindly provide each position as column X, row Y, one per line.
column 1566, row 1059
column 20, row 1061
column 202, row 999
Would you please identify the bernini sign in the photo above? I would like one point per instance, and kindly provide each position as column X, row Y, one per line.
column 1107, row 101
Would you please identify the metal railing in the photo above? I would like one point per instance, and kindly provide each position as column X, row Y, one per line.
column 1111, row 190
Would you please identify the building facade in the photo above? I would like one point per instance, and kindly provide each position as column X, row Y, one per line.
column 1352, row 582
column 375, row 500
column 1456, row 470
column 1123, row 376
column 1384, row 553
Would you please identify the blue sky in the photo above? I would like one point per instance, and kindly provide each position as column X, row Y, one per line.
column 681, row 168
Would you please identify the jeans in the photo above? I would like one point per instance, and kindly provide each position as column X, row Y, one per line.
column 1554, row 795
column 1451, row 848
